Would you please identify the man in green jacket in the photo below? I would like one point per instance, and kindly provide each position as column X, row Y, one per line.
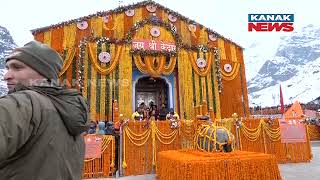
column 41, row 123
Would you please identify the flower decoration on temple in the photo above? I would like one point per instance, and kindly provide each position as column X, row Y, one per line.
column 218, row 73
column 151, row 8
column 106, row 18
column 153, row 53
column 212, row 37
column 173, row 28
column 203, row 48
column 227, row 68
column 152, row 20
column 172, row 18
column 201, row 63
column 129, row 12
column 82, row 25
column 100, row 40
column 155, row 32
column 82, row 47
column 104, row 57
column 192, row 27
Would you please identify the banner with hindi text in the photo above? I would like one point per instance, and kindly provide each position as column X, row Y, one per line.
column 93, row 146
column 292, row 131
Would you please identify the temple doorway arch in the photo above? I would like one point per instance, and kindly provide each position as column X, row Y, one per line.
column 147, row 89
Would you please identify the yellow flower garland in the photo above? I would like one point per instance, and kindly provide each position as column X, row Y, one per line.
column 252, row 134
column 47, row 38
column 140, row 65
column 154, row 71
column 114, row 59
column 142, row 138
column 201, row 72
column 231, row 75
column 167, row 70
column 69, row 36
column 147, row 67
column 125, row 79
column 67, row 62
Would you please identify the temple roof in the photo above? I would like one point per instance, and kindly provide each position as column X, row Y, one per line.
column 123, row 9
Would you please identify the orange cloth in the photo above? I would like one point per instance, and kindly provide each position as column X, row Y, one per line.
column 295, row 111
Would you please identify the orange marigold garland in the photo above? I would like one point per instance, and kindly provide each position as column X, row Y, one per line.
column 189, row 164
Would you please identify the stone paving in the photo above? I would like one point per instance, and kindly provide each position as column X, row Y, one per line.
column 303, row 171
column 290, row 171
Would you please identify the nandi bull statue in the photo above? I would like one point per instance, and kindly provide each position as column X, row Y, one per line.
column 209, row 136
column 214, row 138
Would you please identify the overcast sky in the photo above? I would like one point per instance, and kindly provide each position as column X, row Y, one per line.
column 227, row 17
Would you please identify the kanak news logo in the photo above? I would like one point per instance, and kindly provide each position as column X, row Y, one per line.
column 270, row 22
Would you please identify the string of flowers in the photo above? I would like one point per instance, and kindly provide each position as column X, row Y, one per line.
column 252, row 134
column 82, row 47
column 188, row 133
column 140, row 24
column 186, row 129
column 153, row 53
column 200, row 71
column 273, row 133
column 191, row 164
column 114, row 61
column 142, row 138
column 153, row 20
column 218, row 71
column 68, row 58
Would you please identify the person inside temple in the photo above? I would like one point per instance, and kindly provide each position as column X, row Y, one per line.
column 163, row 112
column 137, row 116
column 151, row 105
column 172, row 115
column 141, row 109
column 146, row 114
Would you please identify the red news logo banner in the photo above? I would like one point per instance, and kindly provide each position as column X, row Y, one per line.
column 292, row 131
column 270, row 22
column 93, row 146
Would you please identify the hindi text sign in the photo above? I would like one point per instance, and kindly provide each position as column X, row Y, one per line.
column 153, row 45
column 93, row 146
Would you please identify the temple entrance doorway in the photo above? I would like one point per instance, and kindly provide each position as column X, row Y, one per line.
column 152, row 91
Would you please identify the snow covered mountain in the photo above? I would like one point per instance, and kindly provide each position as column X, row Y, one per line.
column 6, row 46
column 295, row 65
column 3, row 86
column 256, row 54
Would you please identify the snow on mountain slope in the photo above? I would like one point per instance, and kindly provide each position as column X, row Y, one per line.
column 304, row 87
column 295, row 65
